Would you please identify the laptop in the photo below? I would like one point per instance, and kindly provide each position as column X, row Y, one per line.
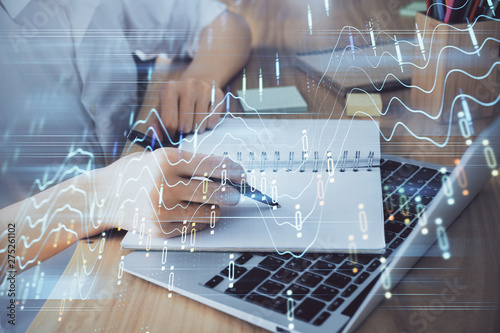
column 365, row 68
column 331, row 292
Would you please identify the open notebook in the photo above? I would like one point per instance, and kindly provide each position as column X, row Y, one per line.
column 323, row 173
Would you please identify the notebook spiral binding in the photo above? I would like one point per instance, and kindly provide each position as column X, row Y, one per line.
column 316, row 160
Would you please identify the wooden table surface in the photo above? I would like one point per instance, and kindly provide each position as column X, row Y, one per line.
column 461, row 294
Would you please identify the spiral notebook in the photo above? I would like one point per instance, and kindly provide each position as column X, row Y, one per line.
column 324, row 173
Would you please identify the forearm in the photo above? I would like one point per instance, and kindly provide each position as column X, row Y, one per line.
column 38, row 227
column 223, row 50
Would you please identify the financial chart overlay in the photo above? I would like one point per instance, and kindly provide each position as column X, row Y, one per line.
column 309, row 198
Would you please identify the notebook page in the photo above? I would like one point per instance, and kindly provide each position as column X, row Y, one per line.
column 256, row 142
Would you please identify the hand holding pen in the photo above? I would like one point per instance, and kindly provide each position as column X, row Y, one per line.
column 244, row 188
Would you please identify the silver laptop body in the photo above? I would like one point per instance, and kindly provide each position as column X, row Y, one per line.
column 194, row 275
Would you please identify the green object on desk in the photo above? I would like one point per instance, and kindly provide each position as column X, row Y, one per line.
column 413, row 8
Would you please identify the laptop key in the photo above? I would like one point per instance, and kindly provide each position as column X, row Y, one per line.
column 406, row 170
column 261, row 300
column 406, row 233
column 430, row 191
column 405, row 218
column 390, row 165
column 271, row 288
column 284, row 256
column 297, row 292
column 349, row 290
column 248, row 282
column 238, row 271
column 321, row 319
column 243, row 258
column 349, row 268
column 338, row 280
column 335, row 258
column 298, row 264
column 271, row 263
column 362, row 278
column 373, row 266
column 415, row 182
column 280, row 305
column 396, row 243
column 385, row 173
column 335, row 304
column 364, row 259
column 394, row 226
column 424, row 199
column 325, row 293
column 389, row 236
column 322, row 267
column 425, row 173
column 284, row 275
column 213, row 282
column 308, row 309
column 309, row 279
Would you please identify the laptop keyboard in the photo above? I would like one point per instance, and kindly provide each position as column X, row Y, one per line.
column 319, row 284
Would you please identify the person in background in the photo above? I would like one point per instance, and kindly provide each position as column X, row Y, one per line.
column 68, row 94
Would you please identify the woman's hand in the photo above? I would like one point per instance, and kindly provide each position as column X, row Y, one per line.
column 188, row 105
column 157, row 189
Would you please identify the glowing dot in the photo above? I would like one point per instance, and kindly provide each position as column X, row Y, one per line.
column 494, row 172
column 425, row 231
column 439, row 221
column 288, row 292
column 355, row 270
column 321, row 203
column 351, row 237
column 382, row 260
column 147, row 255
column 386, row 187
column 297, row 206
column 407, row 221
column 211, row 232
column 319, row 176
column 365, row 236
column 442, row 170
column 457, row 161
column 291, row 326
column 446, row 255
column 418, row 199
column 468, row 142
column 103, row 234
column 59, row 319
column 388, row 295
column 361, row 206
column 486, row 142
column 460, row 114
column 299, row 235
column 332, row 180
column 391, row 217
column 451, row 201
column 465, row 193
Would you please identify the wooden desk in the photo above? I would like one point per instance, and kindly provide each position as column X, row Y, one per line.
column 422, row 302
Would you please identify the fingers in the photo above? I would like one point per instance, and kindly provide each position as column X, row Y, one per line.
column 209, row 192
column 216, row 167
column 214, row 118
column 190, row 212
column 174, row 229
column 202, row 109
column 169, row 107
column 185, row 106
column 186, row 110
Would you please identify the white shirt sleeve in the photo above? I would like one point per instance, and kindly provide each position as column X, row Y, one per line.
column 168, row 26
